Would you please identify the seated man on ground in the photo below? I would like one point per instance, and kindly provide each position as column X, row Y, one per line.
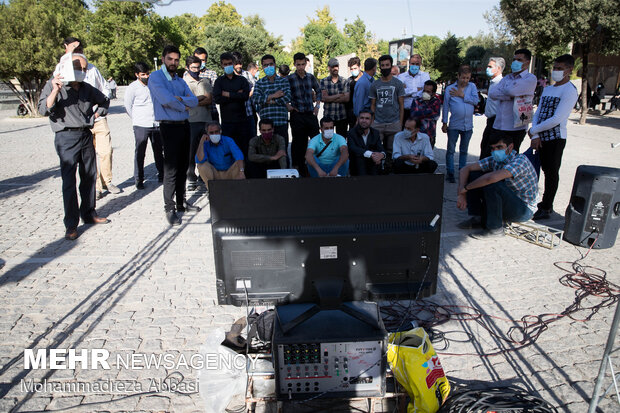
column 366, row 151
column 502, row 187
column 327, row 153
column 413, row 153
column 266, row 151
column 218, row 157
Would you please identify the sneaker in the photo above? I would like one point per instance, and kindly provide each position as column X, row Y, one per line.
column 192, row 186
column 450, row 178
column 113, row 188
column 542, row 214
column 488, row 234
column 173, row 218
column 471, row 223
column 139, row 185
column 99, row 195
column 188, row 208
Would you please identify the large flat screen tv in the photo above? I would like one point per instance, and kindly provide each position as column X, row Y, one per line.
column 280, row 241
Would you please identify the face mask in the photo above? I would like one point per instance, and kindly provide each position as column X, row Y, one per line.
column 270, row 71
column 499, row 155
column 144, row 80
column 557, row 75
column 202, row 65
column 328, row 133
column 229, row 69
column 267, row 136
column 426, row 96
column 386, row 72
column 516, row 66
column 215, row 138
column 355, row 73
column 195, row 75
column 407, row 133
column 79, row 75
column 166, row 74
column 490, row 72
column 414, row 69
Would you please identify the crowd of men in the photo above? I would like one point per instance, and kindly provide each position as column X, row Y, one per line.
column 371, row 125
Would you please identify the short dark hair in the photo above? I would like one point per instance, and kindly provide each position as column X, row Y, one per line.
column 567, row 59
column 370, row 64
column 213, row 123
column 417, row 121
column 141, row 67
column 500, row 137
column 284, row 70
column 326, row 119
column 192, row 59
column 238, row 58
column 170, row 49
column 267, row 57
column 464, row 70
column 431, row 83
column 299, row 56
column 200, row 50
column 265, row 122
column 367, row 110
column 354, row 61
column 227, row 56
column 524, row 52
column 385, row 57
column 71, row 39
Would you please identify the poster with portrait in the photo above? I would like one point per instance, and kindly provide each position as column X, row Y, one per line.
column 401, row 51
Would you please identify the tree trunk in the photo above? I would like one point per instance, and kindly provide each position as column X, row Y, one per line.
column 585, row 50
column 28, row 95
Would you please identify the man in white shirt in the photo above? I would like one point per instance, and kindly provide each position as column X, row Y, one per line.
column 412, row 150
column 495, row 68
column 413, row 79
column 519, row 83
column 548, row 131
column 139, row 107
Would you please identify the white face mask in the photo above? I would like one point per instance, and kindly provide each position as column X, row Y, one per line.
column 328, row 133
column 426, row 96
column 215, row 138
column 557, row 75
column 79, row 75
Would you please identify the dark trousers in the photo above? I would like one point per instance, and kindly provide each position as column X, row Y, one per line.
column 196, row 130
column 406, row 114
column 485, row 148
column 282, row 130
column 517, row 136
column 254, row 170
column 341, row 127
column 241, row 133
column 175, row 138
column 550, row 153
column 359, row 166
column 495, row 203
column 142, row 136
column 351, row 118
column 304, row 125
column 76, row 150
column 426, row 167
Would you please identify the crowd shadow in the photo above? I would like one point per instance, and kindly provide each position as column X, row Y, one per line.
column 20, row 184
column 602, row 121
column 22, row 129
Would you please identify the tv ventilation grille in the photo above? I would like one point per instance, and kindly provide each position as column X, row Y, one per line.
column 329, row 229
column 264, row 260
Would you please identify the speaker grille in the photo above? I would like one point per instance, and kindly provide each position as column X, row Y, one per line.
column 264, row 260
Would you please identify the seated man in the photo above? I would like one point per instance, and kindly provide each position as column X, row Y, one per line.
column 218, row 157
column 327, row 153
column 266, row 151
column 413, row 153
column 506, row 193
column 365, row 148
column 427, row 108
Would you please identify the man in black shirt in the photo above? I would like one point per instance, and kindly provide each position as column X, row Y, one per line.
column 354, row 64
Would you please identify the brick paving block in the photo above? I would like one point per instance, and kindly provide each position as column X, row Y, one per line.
column 65, row 402
column 154, row 403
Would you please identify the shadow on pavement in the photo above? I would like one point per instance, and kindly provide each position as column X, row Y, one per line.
column 16, row 186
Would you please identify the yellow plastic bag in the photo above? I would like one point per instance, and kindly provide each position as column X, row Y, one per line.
column 417, row 368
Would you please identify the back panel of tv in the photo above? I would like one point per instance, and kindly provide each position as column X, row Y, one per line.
column 278, row 241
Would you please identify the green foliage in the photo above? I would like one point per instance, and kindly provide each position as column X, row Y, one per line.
column 359, row 37
column 323, row 39
column 427, row 46
column 222, row 13
column 189, row 28
column 447, row 58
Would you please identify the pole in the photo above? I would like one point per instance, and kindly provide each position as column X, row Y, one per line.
column 155, row 60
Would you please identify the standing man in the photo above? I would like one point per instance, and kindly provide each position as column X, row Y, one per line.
column 71, row 110
column 548, row 131
column 304, row 123
column 327, row 153
column 412, row 150
column 172, row 100
column 250, row 76
column 459, row 101
column 198, row 116
column 427, row 109
column 519, row 83
column 495, row 68
column 139, row 107
column 232, row 92
column 112, row 87
column 271, row 95
column 335, row 93
column 361, row 96
column 205, row 73
column 354, row 67
column 413, row 80
column 366, row 151
column 387, row 99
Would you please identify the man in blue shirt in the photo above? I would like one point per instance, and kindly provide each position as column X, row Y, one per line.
column 327, row 153
column 361, row 98
column 218, row 156
column 172, row 100
column 459, row 101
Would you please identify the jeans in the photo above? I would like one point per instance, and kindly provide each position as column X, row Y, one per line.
column 342, row 171
column 453, row 136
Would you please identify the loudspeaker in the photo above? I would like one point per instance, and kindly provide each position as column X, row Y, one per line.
column 593, row 215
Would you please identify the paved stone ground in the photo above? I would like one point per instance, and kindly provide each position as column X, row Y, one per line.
column 138, row 285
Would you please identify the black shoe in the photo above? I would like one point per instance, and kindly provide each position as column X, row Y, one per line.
column 99, row 195
column 192, row 186
column 173, row 218
column 488, row 234
column 139, row 185
column 450, row 178
column 188, row 208
column 471, row 223
column 541, row 214
column 71, row 234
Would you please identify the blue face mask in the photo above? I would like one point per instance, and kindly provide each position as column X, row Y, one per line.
column 516, row 66
column 202, row 65
column 489, row 72
column 355, row 73
column 499, row 155
column 414, row 69
column 270, row 71
column 229, row 70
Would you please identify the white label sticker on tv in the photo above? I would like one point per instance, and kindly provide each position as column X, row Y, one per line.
column 329, row 253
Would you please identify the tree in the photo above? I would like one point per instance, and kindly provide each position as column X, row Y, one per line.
column 447, row 59
column 359, row 38
column 592, row 26
column 427, row 46
column 222, row 13
column 189, row 27
column 31, row 35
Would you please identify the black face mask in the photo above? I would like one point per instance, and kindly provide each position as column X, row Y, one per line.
column 144, row 80
column 386, row 72
column 195, row 75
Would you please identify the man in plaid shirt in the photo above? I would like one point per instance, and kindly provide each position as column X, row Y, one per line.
column 335, row 92
column 205, row 73
column 271, row 94
column 502, row 187
column 427, row 108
